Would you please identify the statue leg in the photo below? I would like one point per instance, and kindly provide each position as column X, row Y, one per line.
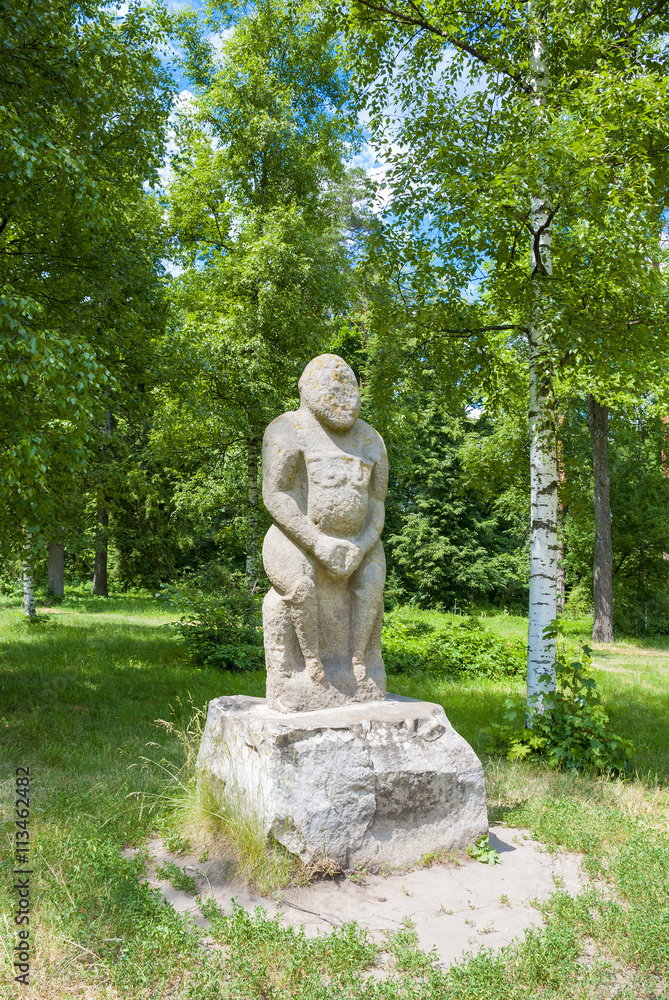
column 367, row 585
column 293, row 576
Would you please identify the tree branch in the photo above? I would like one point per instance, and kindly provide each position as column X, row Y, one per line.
column 420, row 21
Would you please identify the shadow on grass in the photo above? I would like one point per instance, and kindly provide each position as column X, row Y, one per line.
column 105, row 686
column 88, row 604
column 503, row 813
column 644, row 721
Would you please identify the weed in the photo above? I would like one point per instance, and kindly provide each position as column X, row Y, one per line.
column 483, row 852
column 569, row 728
column 176, row 844
column 178, row 877
column 359, row 874
column 439, row 857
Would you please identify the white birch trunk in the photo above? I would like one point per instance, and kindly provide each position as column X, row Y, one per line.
column 28, row 587
column 543, row 531
column 543, row 454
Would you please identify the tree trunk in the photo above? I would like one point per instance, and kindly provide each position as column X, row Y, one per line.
column 560, row 582
column 100, row 567
column 543, row 448
column 28, row 586
column 543, row 529
column 252, row 504
column 598, row 419
column 56, row 571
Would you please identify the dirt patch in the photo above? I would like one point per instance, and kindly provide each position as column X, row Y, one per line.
column 456, row 908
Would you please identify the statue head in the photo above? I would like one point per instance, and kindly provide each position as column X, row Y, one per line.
column 329, row 389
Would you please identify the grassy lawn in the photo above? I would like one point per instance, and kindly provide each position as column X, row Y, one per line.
column 80, row 693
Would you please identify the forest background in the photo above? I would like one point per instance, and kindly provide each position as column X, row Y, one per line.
column 191, row 209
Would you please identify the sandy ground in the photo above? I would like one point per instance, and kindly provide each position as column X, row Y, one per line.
column 455, row 908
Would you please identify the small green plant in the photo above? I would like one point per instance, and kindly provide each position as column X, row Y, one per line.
column 176, row 844
column 483, row 852
column 359, row 874
column 569, row 727
column 178, row 877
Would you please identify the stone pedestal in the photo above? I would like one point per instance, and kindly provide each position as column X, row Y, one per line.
column 368, row 784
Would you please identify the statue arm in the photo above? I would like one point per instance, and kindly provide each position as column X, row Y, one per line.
column 284, row 495
column 376, row 510
column 281, row 489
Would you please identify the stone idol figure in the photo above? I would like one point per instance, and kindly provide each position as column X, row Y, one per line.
column 328, row 764
column 325, row 476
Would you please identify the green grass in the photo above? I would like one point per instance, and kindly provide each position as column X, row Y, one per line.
column 81, row 691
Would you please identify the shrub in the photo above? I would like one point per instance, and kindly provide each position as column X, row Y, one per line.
column 221, row 622
column 415, row 641
column 572, row 730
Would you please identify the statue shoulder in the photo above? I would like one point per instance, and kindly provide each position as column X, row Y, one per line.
column 283, row 431
column 373, row 440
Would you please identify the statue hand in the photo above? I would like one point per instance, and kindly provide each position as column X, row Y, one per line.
column 340, row 556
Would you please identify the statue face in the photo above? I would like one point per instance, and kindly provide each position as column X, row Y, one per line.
column 330, row 390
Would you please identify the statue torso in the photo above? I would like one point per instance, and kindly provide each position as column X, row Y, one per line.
column 336, row 473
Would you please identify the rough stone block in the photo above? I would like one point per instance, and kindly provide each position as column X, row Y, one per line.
column 366, row 784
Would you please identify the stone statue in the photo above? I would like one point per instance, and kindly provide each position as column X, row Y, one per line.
column 381, row 782
column 325, row 476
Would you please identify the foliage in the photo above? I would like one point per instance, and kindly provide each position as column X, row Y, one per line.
column 469, row 147
column 85, row 105
column 483, row 852
column 571, row 728
column 445, row 539
column 256, row 209
column 222, row 621
column 415, row 641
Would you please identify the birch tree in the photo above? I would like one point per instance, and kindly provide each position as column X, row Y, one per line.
column 526, row 149
column 543, row 439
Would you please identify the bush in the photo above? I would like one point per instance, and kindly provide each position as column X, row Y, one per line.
column 222, row 621
column 572, row 731
column 414, row 641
